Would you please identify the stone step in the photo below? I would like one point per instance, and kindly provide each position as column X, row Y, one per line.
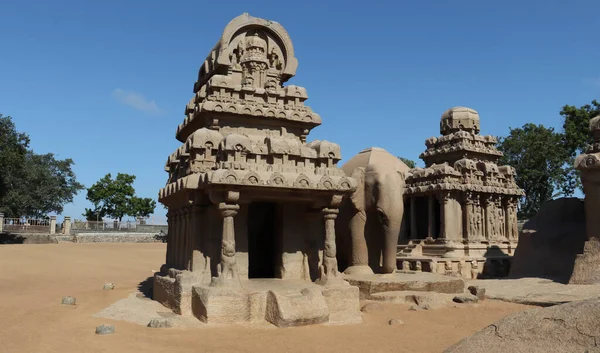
column 370, row 284
column 434, row 300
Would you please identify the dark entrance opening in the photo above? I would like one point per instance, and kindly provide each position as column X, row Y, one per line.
column 262, row 237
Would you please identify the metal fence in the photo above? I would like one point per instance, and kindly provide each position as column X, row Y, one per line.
column 26, row 225
column 104, row 226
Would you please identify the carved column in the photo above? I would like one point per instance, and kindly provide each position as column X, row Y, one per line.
column 413, row 218
column 431, row 231
column 444, row 197
column 195, row 249
column 176, row 238
column 487, row 209
column 170, row 230
column 228, row 269
column 468, row 219
column 329, row 268
column 185, row 243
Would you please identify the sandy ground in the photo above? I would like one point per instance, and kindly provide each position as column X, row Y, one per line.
column 34, row 278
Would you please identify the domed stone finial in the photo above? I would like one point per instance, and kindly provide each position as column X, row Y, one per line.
column 459, row 118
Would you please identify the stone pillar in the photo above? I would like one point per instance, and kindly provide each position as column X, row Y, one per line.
column 1, row 222
column 185, row 230
column 52, row 224
column 413, row 218
column 443, row 211
column 170, row 230
column 468, row 217
column 431, row 231
column 67, row 226
column 329, row 268
column 487, row 233
column 175, row 239
column 228, row 269
column 196, row 249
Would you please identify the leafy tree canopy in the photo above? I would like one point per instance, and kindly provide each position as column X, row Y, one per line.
column 409, row 162
column 535, row 152
column 116, row 198
column 32, row 185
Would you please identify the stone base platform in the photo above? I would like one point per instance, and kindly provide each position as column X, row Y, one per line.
column 468, row 267
column 371, row 284
column 283, row 303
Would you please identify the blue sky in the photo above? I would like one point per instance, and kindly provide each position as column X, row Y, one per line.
column 106, row 82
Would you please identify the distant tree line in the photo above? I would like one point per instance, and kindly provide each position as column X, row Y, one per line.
column 543, row 158
column 31, row 184
column 34, row 185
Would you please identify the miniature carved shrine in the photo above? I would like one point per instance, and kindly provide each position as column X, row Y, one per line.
column 252, row 204
column 586, row 269
column 461, row 209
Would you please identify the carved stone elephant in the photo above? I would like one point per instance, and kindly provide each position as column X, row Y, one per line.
column 370, row 219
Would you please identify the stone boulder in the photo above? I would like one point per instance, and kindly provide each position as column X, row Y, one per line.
column 550, row 241
column 567, row 328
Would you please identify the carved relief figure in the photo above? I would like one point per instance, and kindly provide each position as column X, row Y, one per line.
column 418, row 266
column 405, row 266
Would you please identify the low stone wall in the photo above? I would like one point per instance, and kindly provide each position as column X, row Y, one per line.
column 113, row 237
column 27, row 238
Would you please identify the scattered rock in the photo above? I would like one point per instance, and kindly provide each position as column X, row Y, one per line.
column 413, row 308
column 160, row 323
column 425, row 306
column 105, row 329
column 479, row 292
column 465, row 299
column 109, row 286
column 372, row 308
column 394, row 322
column 68, row 301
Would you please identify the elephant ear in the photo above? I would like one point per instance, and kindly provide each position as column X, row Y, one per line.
column 402, row 175
column 358, row 196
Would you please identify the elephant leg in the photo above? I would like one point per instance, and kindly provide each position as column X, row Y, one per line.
column 374, row 238
column 359, row 257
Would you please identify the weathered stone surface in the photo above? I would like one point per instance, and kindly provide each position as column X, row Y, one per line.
column 413, row 308
column 479, row 292
column 394, row 322
column 105, row 329
column 343, row 304
column 116, row 238
column 431, row 299
column 567, row 328
column 465, row 299
column 109, row 286
column 550, row 241
column 160, row 323
column 371, row 308
column 68, row 301
column 220, row 305
column 536, row 291
column 287, row 308
column 425, row 282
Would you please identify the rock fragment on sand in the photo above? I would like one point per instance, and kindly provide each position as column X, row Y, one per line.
column 394, row 322
column 479, row 292
column 109, row 286
column 68, row 301
column 465, row 299
column 105, row 329
column 160, row 323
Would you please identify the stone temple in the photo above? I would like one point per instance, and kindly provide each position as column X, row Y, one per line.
column 252, row 204
column 460, row 211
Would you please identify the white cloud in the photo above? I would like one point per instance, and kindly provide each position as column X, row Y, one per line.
column 136, row 101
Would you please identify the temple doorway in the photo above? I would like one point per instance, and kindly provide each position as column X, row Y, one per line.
column 263, row 231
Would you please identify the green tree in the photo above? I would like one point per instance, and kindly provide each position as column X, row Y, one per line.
column 409, row 162
column 116, row 198
column 576, row 138
column 31, row 184
column 536, row 154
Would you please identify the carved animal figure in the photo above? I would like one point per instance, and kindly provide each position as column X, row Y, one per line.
column 370, row 219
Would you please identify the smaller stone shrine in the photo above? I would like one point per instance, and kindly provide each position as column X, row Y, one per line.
column 252, row 205
column 587, row 265
column 461, row 209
